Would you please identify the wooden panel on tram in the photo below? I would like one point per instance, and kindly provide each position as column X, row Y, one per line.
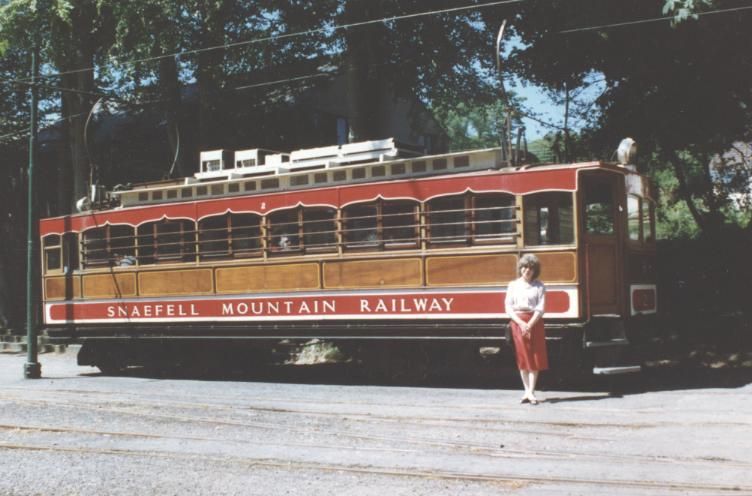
column 394, row 273
column 558, row 266
column 603, row 277
column 470, row 270
column 268, row 278
column 109, row 285
column 62, row 288
column 175, row 282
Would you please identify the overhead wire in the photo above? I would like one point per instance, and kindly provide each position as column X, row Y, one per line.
column 331, row 29
column 651, row 20
column 328, row 29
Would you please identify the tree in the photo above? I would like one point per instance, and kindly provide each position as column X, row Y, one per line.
column 682, row 90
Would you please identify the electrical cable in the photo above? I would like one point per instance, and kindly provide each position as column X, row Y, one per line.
column 296, row 34
column 650, row 20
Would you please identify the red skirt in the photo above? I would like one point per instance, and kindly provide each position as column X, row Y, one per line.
column 530, row 350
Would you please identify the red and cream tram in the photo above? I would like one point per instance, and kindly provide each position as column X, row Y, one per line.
column 364, row 241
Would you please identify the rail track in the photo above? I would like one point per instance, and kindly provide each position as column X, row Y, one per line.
column 509, row 480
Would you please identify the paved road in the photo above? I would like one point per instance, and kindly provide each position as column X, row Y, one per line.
column 76, row 432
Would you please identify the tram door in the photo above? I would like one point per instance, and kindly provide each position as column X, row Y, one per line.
column 602, row 242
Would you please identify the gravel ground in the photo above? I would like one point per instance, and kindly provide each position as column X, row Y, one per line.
column 308, row 430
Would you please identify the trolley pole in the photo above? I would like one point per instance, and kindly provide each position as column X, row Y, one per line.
column 32, row 368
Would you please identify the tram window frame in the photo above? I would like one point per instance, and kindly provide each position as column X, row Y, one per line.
column 71, row 251
column 117, row 240
column 634, row 219
column 291, row 231
column 238, row 231
column 548, row 218
column 502, row 237
column 151, row 243
column 390, row 218
column 214, row 237
column 649, row 215
column 52, row 247
column 432, row 213
column 366, row 223
column 599, row 208
column 328, row 220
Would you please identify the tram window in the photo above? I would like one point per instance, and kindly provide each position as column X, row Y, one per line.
column 270, row 183
column 319, row 229
column 121, row 240
column 447, row 220
column 461, row 161
column 284, row 231
column 361, row 226
column 358, row 173
column 548, row 218
column 648, row 221
column 494, row 217
column 245, row 237
column 103, row 245
column 166, row 241
column 339, row 175
column 213, row 237
column 419, row 167
column 599, row 209
column 400, row 224
column 301, row 180
column 52, row 255
column 70, row 252
column 95, row 246
column 633, row 217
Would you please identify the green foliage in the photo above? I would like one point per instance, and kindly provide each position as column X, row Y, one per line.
column 470, row 126
column 673, row 219
column 681, row 90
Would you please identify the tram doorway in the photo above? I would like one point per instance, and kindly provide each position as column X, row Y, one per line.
column 602, row 242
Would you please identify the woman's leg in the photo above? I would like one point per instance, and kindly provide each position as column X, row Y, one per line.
column 525, row 382
column 532, row 379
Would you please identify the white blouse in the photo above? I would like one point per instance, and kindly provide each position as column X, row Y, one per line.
column 523, row 296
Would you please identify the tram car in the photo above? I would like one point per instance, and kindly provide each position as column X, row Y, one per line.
column 368, row 242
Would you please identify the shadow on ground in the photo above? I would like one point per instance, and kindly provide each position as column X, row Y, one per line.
column 666, row 366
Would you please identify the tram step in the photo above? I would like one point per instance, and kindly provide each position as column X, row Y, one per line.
column 624, row 369
column 608, row 343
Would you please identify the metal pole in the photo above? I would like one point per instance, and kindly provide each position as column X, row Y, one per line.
column 32, row 368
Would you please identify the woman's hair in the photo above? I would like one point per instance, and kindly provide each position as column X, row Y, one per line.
column 529, row 261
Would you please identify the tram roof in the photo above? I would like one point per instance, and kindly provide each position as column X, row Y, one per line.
column 484, row 173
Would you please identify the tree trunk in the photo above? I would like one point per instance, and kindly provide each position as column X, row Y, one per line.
column 78, row 105
column 364, row 58
column 209, row 75
column 678, row 166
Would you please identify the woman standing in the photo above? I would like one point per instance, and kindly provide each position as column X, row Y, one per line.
column 525, row 303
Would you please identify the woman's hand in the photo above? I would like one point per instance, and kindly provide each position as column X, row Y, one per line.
column 524, row 328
